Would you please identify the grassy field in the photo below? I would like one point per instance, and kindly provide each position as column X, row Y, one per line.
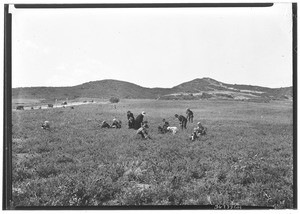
column 245, row 159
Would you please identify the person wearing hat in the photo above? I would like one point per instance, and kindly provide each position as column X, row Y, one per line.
column 116, row 124
column 138, row 120
column 189, row 115
column 182, row 121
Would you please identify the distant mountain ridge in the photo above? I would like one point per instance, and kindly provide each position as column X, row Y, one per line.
column 204, row 88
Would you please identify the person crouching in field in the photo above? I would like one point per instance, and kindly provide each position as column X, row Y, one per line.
column 173, row 129
column 189, row 115
column 182, row 121
column 130, row 118
column 198, row 131
column 163, row 129
column 194, row 135
column 143, row 131
column 46, row 125
column 138, row 120
column 201, row 129
column 116, row 124
column 105, row 125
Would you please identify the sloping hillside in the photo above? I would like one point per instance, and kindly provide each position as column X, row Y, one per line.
column 95, row 89
column 205, row 88
column 110, row 88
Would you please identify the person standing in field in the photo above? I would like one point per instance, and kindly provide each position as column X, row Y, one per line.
column 189, row 115
column 130, row 118
column 182, row 121
column 138, row 120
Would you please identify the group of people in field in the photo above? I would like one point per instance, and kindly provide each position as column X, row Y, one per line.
column 116, row 124
column 141, row 126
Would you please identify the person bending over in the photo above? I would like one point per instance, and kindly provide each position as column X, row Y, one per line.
column 182, row 121
column 138, row 120
column 105, row 125
column 116, row 124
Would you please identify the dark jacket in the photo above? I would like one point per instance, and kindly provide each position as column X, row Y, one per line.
column 163, row 129
column 129, row 115
column 182, row 119
column 131, row 123
column 189, row 113
column 138, row 120
column 166, row 125
column 105, row 125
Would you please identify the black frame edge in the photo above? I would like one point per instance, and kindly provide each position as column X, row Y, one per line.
column 141, row 207
column 140, row 5
column 7, row 146
column 294, row 49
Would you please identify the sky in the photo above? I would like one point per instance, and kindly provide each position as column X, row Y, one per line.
column 152, row 47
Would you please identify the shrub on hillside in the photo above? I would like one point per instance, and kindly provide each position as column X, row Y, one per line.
column 114, row 100
column 206, row 95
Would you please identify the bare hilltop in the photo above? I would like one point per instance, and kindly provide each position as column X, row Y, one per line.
column 204, row 88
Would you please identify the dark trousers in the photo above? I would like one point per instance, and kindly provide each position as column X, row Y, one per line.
column 130, row 124
column 183, row 124
column 137, row 124
column 190, row 118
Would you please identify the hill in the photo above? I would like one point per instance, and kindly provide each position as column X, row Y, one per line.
column 94, row 89
column 205, row 88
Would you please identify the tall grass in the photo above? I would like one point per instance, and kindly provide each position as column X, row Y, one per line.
column 246, row 158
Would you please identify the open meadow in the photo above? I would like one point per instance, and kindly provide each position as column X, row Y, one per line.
column 246, row 158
